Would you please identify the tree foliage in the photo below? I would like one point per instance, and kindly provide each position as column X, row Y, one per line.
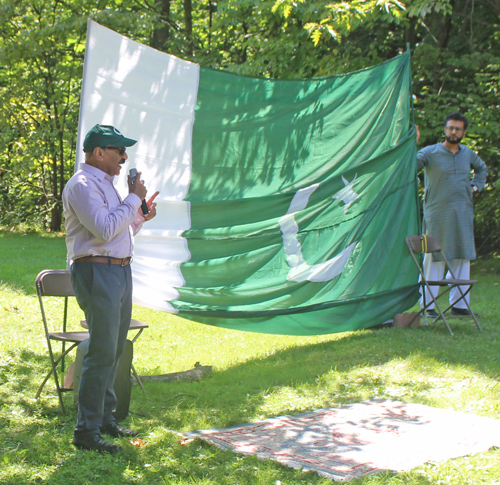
column 455, row 63
column 39, row 83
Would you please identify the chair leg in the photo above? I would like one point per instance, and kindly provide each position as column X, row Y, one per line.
column 58, row 387
column 475, row 320
column 53, row 370
column 136, row 336
column 474, row 317
column 137, row 378
column 471, row 312
column 59, row 394
column 468, row 306
column 424, row 310
column 42, row 385
column 441, row 315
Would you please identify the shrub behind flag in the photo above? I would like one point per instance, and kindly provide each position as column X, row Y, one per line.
column 284, row 204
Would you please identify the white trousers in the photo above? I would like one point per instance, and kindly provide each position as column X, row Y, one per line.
column 434, row 270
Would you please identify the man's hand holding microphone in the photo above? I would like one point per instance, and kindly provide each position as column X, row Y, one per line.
column 136, row 186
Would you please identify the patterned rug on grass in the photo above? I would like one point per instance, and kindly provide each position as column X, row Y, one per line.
column 358, row 439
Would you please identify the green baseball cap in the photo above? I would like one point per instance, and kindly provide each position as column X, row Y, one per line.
column 103, row 135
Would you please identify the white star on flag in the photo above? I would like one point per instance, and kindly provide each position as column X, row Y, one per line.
column 346, row 195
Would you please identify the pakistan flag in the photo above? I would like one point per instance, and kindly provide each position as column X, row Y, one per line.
column 284, row 204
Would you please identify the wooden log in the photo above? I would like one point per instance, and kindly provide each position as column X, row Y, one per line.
column 189, row 375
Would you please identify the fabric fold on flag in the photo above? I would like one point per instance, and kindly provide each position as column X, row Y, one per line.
column 284, row 204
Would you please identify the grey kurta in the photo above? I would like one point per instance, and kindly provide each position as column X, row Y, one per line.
column 448, row 209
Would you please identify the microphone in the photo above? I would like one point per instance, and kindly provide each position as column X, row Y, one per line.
column 144, row 206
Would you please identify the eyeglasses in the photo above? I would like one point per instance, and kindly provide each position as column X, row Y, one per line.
column 121, row 150
column 451, row 129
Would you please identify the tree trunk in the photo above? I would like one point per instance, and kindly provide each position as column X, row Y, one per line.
column 209, row 21
column 444, row 28
column 188, row 19
column 56, row 217
column 409, row 33
column 54, row 199
column 162, row 31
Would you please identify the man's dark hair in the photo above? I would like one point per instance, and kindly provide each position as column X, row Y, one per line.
column 457, row 117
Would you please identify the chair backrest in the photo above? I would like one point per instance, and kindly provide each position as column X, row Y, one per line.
column 54, row 282
column 57, row 283
column 423, row 244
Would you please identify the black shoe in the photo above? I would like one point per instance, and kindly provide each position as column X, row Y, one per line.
column 116, row 431
column 95, row 442
column 462, row 312
column 431, row 313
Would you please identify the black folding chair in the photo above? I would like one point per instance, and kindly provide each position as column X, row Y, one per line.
column 57, row 283
column 427, row 244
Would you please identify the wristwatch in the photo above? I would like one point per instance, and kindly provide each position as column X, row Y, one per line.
column 474, row 188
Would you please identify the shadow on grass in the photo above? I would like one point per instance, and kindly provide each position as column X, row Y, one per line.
column 18, row 370
column 232, row 396
column 247, row 387
column 35, row 436
column 344, row 370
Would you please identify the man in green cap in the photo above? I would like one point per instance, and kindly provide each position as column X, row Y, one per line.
column 100, row 227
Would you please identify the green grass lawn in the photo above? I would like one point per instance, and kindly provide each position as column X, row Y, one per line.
column 255, row 376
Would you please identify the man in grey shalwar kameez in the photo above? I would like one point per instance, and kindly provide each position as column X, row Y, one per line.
column 448, row 208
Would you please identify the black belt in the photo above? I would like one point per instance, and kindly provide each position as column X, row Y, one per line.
column 105, row 259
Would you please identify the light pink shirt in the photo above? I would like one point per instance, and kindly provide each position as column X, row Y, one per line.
column 98, row 221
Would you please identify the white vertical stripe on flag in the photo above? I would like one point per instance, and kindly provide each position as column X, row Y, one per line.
column 149, row 96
